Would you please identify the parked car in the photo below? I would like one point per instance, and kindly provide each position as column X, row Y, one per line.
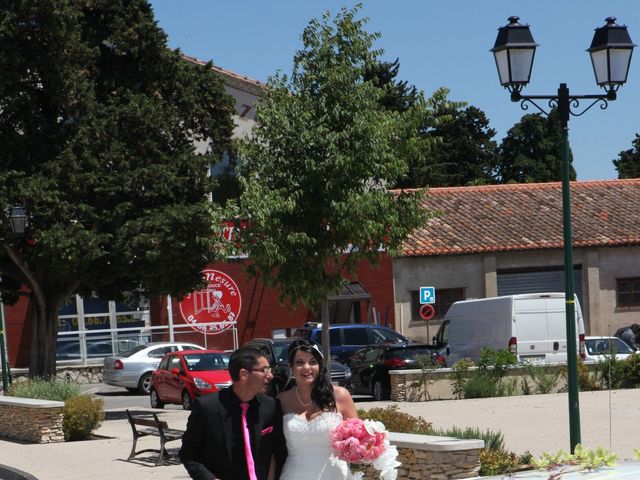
column 277, row 351
column 70, row 350
column 599, row 348
column 345, row 339
column 370, row 366
column 187, row 374
column 132, row 369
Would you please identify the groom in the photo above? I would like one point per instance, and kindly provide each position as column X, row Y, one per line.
column 214, row 446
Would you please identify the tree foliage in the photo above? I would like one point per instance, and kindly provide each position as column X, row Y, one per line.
column 531, row 151
column 98, row 121
column 628, row 162
column 316, row 170
column 462, row 152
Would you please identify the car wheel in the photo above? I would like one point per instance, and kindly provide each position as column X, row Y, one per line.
column 186, row 401
column 378, row 391
column 144, row 385
column 154, row 400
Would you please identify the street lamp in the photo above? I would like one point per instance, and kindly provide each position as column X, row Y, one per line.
column 610, row 52
column 18, row 218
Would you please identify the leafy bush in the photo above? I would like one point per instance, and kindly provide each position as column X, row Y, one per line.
column 479, row 386
column 496, row 462
column 612, row 373
column 397, row 421
column 543, row 378
column 492, row 440
column 488, row 380
column 44, row 389
column 459, row 376
column 81, row 415
column 586, row 380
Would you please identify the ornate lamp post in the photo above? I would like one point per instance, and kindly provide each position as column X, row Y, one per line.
column 610, row 52
column 18, row 217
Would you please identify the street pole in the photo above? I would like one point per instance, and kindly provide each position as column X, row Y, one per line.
column 572, row 367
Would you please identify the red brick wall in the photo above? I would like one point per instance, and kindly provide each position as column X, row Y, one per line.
column 262, row 313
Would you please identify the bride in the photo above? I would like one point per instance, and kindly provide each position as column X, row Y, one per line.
column 311, row 409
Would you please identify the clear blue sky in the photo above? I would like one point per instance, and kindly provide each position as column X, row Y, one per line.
column 439, row 43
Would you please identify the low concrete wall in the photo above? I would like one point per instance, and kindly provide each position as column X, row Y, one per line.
column 434, row 458
column 418, row 386
column 31, row 420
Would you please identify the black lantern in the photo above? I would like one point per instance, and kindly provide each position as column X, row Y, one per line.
column 610, row 52
column 514, row 51
column 18, row 216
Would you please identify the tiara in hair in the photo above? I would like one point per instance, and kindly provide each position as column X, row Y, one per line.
column 311, row 345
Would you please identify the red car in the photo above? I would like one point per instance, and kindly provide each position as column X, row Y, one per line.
column 187, row 374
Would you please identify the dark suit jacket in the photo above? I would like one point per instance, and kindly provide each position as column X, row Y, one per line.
column 206, row 444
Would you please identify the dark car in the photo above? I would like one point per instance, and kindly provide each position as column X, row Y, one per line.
column 277, row 351
column 370, row 366
column 346, row 339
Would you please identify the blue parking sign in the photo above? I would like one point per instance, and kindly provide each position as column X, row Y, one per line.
column 427, row 295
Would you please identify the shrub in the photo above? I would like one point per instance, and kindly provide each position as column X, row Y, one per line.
column 396, row 421
column 496, row 462
column 81, row 415
column 544, row 379
column 479, row 386
column 44, row 389
column 586, row 380
column 492, row 440
column 459, row 376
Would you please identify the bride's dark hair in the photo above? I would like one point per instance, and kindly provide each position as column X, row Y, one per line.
column 322, row 391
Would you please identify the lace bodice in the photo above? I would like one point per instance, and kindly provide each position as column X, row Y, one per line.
column 309, row 449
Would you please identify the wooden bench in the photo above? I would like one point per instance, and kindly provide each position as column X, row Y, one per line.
column 152, row 427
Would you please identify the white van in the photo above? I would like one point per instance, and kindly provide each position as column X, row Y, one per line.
column 532, row 325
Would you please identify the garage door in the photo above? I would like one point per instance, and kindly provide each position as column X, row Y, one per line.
column 512, row 282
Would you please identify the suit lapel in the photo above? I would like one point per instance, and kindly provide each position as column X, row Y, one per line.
column 224, row 411
column 257, row 429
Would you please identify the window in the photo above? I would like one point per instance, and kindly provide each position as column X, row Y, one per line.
column 444, row 298
column 356, row 336
column 628, row 292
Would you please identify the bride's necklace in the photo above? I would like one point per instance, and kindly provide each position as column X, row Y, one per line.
column 301, row 402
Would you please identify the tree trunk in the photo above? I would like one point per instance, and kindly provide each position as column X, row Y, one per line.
column 44, row 332
column 326, row 347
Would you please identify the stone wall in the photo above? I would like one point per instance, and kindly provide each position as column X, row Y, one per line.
column 433, row 458
column 419, row 386
column 31, row 420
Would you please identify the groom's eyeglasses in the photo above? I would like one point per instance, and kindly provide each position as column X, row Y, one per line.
column 263, row 370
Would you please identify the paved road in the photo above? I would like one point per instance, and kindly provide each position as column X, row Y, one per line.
column 540, row 423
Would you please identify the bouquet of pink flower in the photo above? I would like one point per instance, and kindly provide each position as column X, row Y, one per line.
column 364, row 441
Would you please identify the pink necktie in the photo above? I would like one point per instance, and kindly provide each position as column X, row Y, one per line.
column 247, row 443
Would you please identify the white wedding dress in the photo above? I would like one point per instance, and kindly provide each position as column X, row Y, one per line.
column 309, row 448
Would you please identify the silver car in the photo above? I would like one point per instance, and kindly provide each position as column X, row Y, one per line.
column 132, row 369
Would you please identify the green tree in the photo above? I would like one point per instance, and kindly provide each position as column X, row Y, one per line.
column 531, row 151
column 628, row 162
column 462, row 153
column 398, row 95
column 98, row 123
column 316, row 170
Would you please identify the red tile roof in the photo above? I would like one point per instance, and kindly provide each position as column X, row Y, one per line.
column 231, row 77
column 496, row 218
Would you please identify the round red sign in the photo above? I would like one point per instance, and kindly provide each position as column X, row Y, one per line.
column 216, row 307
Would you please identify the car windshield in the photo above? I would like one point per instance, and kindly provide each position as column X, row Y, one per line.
column 600, row 346
column 198, row 362
column 387, row 336
column 409, row 353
